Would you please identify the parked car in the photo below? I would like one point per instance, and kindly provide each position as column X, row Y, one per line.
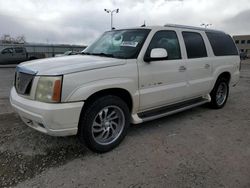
column 243, row 55
column 127, row 76
column 16, row 55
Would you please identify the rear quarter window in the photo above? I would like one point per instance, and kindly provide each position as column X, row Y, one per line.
column 222, row 44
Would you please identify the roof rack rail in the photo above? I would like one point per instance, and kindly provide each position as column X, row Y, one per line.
column 183, row 26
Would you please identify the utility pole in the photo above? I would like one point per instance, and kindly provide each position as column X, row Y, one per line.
column 111, row 15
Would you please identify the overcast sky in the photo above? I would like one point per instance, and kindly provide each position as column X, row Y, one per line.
column 81, row 21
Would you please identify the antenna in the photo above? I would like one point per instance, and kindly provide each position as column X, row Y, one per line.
column 144, row 24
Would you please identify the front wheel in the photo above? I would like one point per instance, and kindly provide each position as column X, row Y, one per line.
column 103, row 125
column 219, row 94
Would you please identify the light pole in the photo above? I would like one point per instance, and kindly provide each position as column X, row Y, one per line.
column 111, row 15
column 206, row 25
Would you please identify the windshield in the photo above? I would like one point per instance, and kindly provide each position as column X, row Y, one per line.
column 124, row 44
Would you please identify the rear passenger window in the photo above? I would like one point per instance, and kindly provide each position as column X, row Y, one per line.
column 195, row 45
column 167, row 40
column 222, row 44
column 19, row 50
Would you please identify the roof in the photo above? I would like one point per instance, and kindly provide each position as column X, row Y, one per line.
column 178, row 26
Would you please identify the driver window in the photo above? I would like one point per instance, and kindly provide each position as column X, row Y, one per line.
column 167, row 40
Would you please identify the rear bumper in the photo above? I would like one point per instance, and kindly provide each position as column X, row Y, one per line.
column 52, row 119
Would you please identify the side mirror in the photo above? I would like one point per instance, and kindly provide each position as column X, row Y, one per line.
column 157, row 54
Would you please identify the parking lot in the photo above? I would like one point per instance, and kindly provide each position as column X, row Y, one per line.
column 197, row 148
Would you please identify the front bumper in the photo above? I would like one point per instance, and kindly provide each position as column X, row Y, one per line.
column 59, row 119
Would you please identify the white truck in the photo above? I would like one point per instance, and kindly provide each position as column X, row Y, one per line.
column 127, row 76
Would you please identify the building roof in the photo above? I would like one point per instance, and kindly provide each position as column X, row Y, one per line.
column 241, row 36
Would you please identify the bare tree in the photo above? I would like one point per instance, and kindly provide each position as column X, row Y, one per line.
column 21, row 39
column 13, row 40
column 6, row 38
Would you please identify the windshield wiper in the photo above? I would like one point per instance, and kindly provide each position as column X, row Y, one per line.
column 103, row 54
column 86, row 53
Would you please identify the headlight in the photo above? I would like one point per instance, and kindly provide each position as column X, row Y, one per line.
column 49, row 89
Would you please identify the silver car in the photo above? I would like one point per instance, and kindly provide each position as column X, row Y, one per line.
column 13, row 55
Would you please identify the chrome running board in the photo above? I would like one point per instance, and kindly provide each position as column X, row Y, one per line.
column 172, row 109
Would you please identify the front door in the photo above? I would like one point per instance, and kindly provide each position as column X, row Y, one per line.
column 7, row 56
column 162, row 82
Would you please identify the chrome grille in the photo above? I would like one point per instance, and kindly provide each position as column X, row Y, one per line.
column 23, row 83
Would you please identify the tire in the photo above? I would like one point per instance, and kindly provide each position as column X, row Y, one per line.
column 104, row 124
column 219, row 94
column 32, row 58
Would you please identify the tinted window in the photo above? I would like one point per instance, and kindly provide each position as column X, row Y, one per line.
column 222, row 44
column 237, row 41
column 7, row 51
column 243, row 42
column 194, row 45
column 248, row 41
column 167, row 40
column 19, row 50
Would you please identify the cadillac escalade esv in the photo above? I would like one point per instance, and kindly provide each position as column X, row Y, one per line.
column 126, row 76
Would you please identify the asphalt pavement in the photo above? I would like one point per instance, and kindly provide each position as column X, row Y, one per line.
column 196, row 148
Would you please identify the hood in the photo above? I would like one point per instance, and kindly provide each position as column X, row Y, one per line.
column 69, row 64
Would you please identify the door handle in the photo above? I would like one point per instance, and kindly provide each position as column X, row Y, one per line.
column 207, row 66
column 182, row 69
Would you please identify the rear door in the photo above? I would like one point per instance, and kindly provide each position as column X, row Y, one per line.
column 19, row 54
column 199, row 69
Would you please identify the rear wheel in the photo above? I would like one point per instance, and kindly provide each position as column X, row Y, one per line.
column 219, row 94
column 103, row 125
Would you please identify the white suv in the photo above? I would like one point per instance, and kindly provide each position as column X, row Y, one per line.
column 126, row 76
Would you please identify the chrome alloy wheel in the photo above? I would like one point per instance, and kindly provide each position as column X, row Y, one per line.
column 108, row 124
column 221, row 93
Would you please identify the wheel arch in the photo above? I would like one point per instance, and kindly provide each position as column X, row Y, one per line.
column 226, row 75
column 215, row 104
column 123, row 94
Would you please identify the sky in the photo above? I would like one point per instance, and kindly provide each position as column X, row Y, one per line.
column 82, row 21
